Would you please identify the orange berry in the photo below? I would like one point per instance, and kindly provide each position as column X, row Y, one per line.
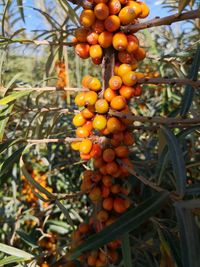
column 98, row 26
column 96, row 177
column 127, row 15
column 95, row 194
column 94, row 84
column 88, row 113
column 85, row 146
column 105, row 131
column 115, row 82
column 85, row 81
column 112, row 23
column 136, row 6
column 114, row 244
column 102, row 216
column 112, row 168
column 133, row 43
column 82, row 50
column 109, row 94
column 105, row 191
column 96, row 151
column 118, row 103
column 103, row 169
column 82, row 132
column 139, row 75
column 113, row 255
column 114, row 7
column 84, row 228
column 98, row 162
column 140, row 54
column 107, row 180
column 75, row 145
column 91, row 261
column 127, row 92
column 78, row 120
column 101, row 106
column 108, row 204
column 96, row 51
column 114, row 125
column 126, row 58
column 101, row 11
column 128, row 139
column 80, row 99
column 123, row 68
column 121, row 151
column 92, row 38
column 99, row 122
column 108, row 155
column 81, row 35
column 88, row 125
column 116, row 67
column 120, row 41
column 103, row 256
column 105, row 39
column 115, row 189
column 111, row 220
column 99, row 263
column 87, row 18
column 145, row 10
column 129, row 78
column 119, row 205
column 90, row 98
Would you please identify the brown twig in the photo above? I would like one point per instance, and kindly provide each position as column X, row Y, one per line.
column 161, row 21
column 65, row 140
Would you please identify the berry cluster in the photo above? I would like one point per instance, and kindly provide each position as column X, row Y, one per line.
column 101, row 29
column 106, row 184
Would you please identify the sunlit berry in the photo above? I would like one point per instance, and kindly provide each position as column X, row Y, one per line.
column 120, row 41
column 81, row 35
column 85, row 146
column 127, row 15
column 101, row 106
column 129, row 78
column 82, row 50
column 112, row 23
column 114, row 7
column 94, row 84
column 78, row 120
column 82, row 132
column 109, row 94
column 87, row 18
column 145, row 10
column 133, row 43
column 105, row 39
column 115, row 82
column 92, row 38
column 88, row 113
column 114, row 125
column 90, row 98
column 99, row 122
column 101, row 11
column 98, row 26
column 136, row 6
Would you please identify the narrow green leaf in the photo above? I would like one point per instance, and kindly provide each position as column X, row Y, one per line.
column 14, row 96
column 126, row 223
column 11, row 259
column 4, row 118
column 7, row 5
column 28, row 239
column 189, row 233
column 21, row 9
column 189, row 91
column 176, row 159
column 126, row 250
column 15, row 252
column 7, row 165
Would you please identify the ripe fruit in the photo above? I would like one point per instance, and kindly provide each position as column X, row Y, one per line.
column 108, row 203
column 85, row 81
column 82, row 50
column 82, row 132
column 129, row 78
column 121, row 151
column 119, row 205
column 114, row 125
column 95, row 194
column 109, row 94
column 85, row 146
column 81, row 35
column 136, row 6
column 108, row 155
column 92, row 38
column 127, row 58
column 128, row 139
column 75, row 145
column 112, row 168
column 118, row 103
column 101, row 106
column 145, row 10
column 107, row 180
column 102, row 216
column 90, row 98
column 133, row 43
column 127, row 91
column 114, row 7
column 105, row 39
column 98, row 162
column 115, row 82
column 112, row 23
column 98, row 26
column 127, row 15
column 96, row 53
column 120, row 41
column 123, row 68
column 94, row 84
column 80, row 99
column 96, row 151
column 78, row 120
column 88, row 113
column 140, row 54
column 101, row 11
column 91, row 260
column 84, row 228
column 87, row 18
column 99, row 122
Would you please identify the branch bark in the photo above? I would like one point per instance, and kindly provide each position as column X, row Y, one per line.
column 161, row 21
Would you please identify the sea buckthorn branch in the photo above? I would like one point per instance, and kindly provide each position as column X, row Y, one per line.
column 161, row 21
column 98, row 139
